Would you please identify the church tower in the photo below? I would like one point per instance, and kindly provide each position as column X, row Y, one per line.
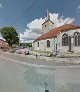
column 48, row 24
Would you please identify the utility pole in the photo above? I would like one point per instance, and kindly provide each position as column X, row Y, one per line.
column 19, row 41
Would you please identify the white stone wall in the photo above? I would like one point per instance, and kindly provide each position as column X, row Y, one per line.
column 59, row 41
column 66, row 48
column 51, row 48
column 43, row 45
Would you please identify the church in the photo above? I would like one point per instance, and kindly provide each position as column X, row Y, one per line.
column 65, row 38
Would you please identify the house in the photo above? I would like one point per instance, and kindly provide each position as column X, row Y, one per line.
column 65, row 38
column 4, row 45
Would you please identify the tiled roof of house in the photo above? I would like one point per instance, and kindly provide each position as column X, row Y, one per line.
column 54, row 32
column 2, row 40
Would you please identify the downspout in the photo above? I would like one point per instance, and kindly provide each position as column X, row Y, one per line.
column 54, row 45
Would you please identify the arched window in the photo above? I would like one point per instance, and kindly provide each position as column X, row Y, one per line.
column 65, row 40
column 38, row 44
column 48, row 43
column 77, row 39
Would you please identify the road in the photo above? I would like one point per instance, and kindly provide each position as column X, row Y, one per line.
column 21, row 74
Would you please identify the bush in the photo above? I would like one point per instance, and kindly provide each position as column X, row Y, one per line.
column 14, row 45
column 51, row 54
column 54, row 54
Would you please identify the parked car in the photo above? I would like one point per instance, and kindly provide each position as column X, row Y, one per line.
column 23, row 51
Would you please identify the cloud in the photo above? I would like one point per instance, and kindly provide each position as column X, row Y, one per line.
column 59, row 20
column 65, row 21
column 78, row 8
column 34, row 28
column 1, row 5
column 28, row 35
column 36, row 25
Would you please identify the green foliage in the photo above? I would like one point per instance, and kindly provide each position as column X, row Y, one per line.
column 51, row 54
column 14, row 45
column 10, row 34
column 26, row 44
column 29, row 44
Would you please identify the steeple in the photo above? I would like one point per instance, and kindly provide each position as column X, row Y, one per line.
column 48, row 24
column 47, row 15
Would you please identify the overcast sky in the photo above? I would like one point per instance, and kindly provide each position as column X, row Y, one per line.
column 12, row 14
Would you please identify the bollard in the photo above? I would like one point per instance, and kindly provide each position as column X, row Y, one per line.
column 45, row 83
column 25, row 52
column 28, row 53
column 36, row 55
column 46, row 90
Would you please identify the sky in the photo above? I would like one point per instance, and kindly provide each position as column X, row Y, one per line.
column 28, row 15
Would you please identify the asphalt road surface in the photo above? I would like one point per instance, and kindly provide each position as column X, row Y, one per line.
column 21, row 74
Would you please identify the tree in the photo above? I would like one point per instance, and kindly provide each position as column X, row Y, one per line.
column 26, row 44
column 10, row 35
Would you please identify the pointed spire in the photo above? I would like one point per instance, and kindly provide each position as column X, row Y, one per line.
column 47, row 15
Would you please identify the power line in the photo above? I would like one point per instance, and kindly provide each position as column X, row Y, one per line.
column 25, row 12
